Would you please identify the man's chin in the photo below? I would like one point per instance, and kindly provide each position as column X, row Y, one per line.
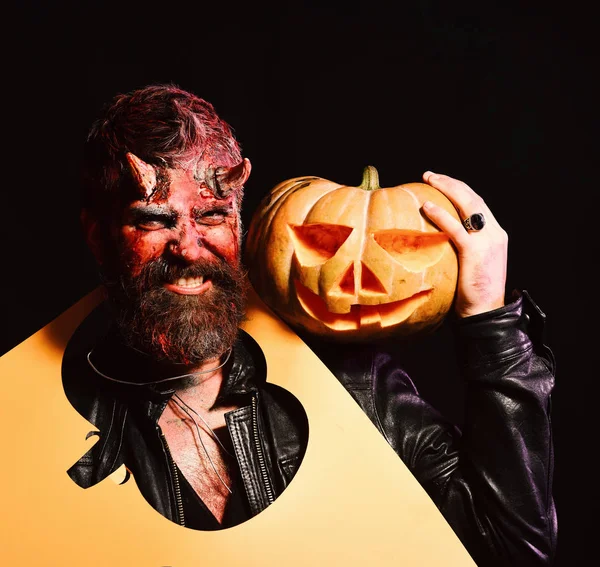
column 183, row 328
column 179, row 315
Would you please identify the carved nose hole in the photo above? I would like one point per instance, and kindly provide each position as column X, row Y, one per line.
column 369, row 281
column 346, row 284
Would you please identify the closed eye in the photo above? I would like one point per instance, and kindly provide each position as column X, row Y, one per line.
column 213, row 217
column 151, row 218
column 154, row 222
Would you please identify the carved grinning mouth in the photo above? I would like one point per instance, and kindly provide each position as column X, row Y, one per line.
column 382, row 315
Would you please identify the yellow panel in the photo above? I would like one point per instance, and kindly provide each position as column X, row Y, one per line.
column 352, row 503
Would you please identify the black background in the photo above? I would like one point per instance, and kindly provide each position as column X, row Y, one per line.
column 496, row 94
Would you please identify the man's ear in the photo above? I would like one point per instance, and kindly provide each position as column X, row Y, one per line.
column 93, row 236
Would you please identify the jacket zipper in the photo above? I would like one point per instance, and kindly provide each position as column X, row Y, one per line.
column 259, row 451
column 175, row 479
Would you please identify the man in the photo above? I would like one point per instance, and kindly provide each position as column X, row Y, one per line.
column 163, row 182
column 179, row 395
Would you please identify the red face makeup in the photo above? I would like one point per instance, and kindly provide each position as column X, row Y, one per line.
column 188, row 226
column 174, row 277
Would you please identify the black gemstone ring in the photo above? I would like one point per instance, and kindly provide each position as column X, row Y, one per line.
column 475, row 222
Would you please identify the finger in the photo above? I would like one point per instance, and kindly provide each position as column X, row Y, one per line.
column 446, row 223
column 462, row 196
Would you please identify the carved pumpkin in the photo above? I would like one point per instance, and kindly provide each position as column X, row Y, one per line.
column 352, row 263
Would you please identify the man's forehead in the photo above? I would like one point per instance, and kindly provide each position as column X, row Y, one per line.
column 178, row 187
column 200, row 181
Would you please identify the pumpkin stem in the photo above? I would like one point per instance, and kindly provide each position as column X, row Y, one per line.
column 370, row 180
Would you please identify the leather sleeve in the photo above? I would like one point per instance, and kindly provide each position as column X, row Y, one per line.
column 493, row 480
column 492, row 477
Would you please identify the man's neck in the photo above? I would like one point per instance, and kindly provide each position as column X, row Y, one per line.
column 201, row 390
column 201, row 381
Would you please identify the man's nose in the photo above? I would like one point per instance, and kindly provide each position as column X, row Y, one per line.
column 188, row 246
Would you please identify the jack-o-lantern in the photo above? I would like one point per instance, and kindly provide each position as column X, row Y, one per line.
column 352, row 263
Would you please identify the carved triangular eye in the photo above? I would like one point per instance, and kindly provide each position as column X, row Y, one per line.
column 414, row 250
column 316, row 243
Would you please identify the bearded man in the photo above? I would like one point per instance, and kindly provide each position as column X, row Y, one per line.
column 178, row 392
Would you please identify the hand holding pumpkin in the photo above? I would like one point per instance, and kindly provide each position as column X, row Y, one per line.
column 482, row 255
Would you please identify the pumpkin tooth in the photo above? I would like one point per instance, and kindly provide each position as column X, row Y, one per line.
column 360, row 316
column 369, row 316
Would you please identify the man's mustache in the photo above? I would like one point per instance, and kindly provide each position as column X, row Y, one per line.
column 163, row 270
column 179, row 328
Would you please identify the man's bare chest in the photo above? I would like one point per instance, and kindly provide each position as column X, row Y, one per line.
column 202, row 454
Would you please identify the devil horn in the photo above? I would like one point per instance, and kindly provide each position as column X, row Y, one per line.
column 224, row 180
column 143, row 173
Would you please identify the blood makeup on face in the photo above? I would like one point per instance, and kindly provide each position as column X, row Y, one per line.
column 177, row 284
column 188, row 225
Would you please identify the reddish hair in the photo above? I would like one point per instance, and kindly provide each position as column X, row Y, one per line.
column 163, row 125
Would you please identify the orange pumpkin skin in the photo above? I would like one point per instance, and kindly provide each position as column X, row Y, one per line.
column 352, row 263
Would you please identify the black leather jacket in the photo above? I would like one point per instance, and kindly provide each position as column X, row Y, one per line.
column 492, row 478
column 269, row 430
column 492, row 481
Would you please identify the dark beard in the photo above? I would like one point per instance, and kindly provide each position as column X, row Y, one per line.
column 181, row 329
